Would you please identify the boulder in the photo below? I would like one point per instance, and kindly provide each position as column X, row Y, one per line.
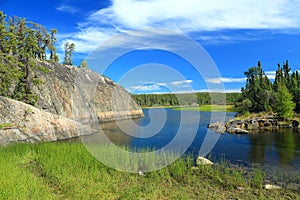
column 203, row 161
column 237, row 130
column 217, row 127
column 30, row 124
column 272, row 187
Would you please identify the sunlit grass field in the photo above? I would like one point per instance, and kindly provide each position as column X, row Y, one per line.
column 68, row 171
column 209, row 108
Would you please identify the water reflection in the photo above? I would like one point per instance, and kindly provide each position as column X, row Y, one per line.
column 280, row 143
column 280, row 147
column 110, row 133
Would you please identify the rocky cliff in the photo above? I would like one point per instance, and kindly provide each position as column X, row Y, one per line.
column 68, row 98
column 21, row 122
column 82, row 94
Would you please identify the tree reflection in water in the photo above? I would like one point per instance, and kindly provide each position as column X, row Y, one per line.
column 282, row 142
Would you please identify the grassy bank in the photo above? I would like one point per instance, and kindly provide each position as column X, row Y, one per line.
column 209, row 108
column 68, row 171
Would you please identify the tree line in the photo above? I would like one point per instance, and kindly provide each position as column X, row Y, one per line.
column 191, row 99
column 282, row 96
column 22, row 42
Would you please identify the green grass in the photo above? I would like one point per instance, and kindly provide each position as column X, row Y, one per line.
column 6, row 126
column 209, row 108
column 68, row 171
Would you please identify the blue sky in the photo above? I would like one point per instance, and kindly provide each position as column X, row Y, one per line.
column 235, row 34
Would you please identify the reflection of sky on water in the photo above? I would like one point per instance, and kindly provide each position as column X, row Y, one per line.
column 269, row 148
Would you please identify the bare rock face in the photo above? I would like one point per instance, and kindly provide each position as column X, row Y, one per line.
column 69, row 98
column 83, row 95
column 26, row 123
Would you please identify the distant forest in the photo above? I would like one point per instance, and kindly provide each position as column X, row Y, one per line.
column 186, row 99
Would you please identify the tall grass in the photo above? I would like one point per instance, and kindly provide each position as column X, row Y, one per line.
column 69, row 171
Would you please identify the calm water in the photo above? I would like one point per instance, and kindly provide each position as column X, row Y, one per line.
column 269, row 149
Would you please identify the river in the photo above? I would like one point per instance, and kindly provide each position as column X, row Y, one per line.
column 269, row 149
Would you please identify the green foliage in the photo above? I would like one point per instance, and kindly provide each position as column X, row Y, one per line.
column 258, row 90
column 68, row 171
column 69, row 50
column 21, row 43
column 261, row 95
column 284, row 106
column 84, row 64
column 189, row 99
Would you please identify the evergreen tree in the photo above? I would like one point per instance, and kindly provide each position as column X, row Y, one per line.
column 258, row 90
column 51, row 47
column 69, row 50
column 84, row 64
column 284, row 104
column 20, row 43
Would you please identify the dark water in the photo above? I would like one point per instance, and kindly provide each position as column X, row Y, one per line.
column 275, row 149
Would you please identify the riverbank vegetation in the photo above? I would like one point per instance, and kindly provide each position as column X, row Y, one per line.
column 68, row 171
column 282, row 96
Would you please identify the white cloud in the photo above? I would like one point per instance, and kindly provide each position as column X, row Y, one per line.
column 196, row 91
column 66, row 8
column 220, row 91
column 271, row 74
column 194, row 15
column 181, row 83
column 155, row 86
column 225, row 80
column 145, row 88
column 189, row 17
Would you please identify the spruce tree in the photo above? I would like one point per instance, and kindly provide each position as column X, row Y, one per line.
column 284, row 106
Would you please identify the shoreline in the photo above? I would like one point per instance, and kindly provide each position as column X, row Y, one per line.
column 55, row 168
column 254, row 124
